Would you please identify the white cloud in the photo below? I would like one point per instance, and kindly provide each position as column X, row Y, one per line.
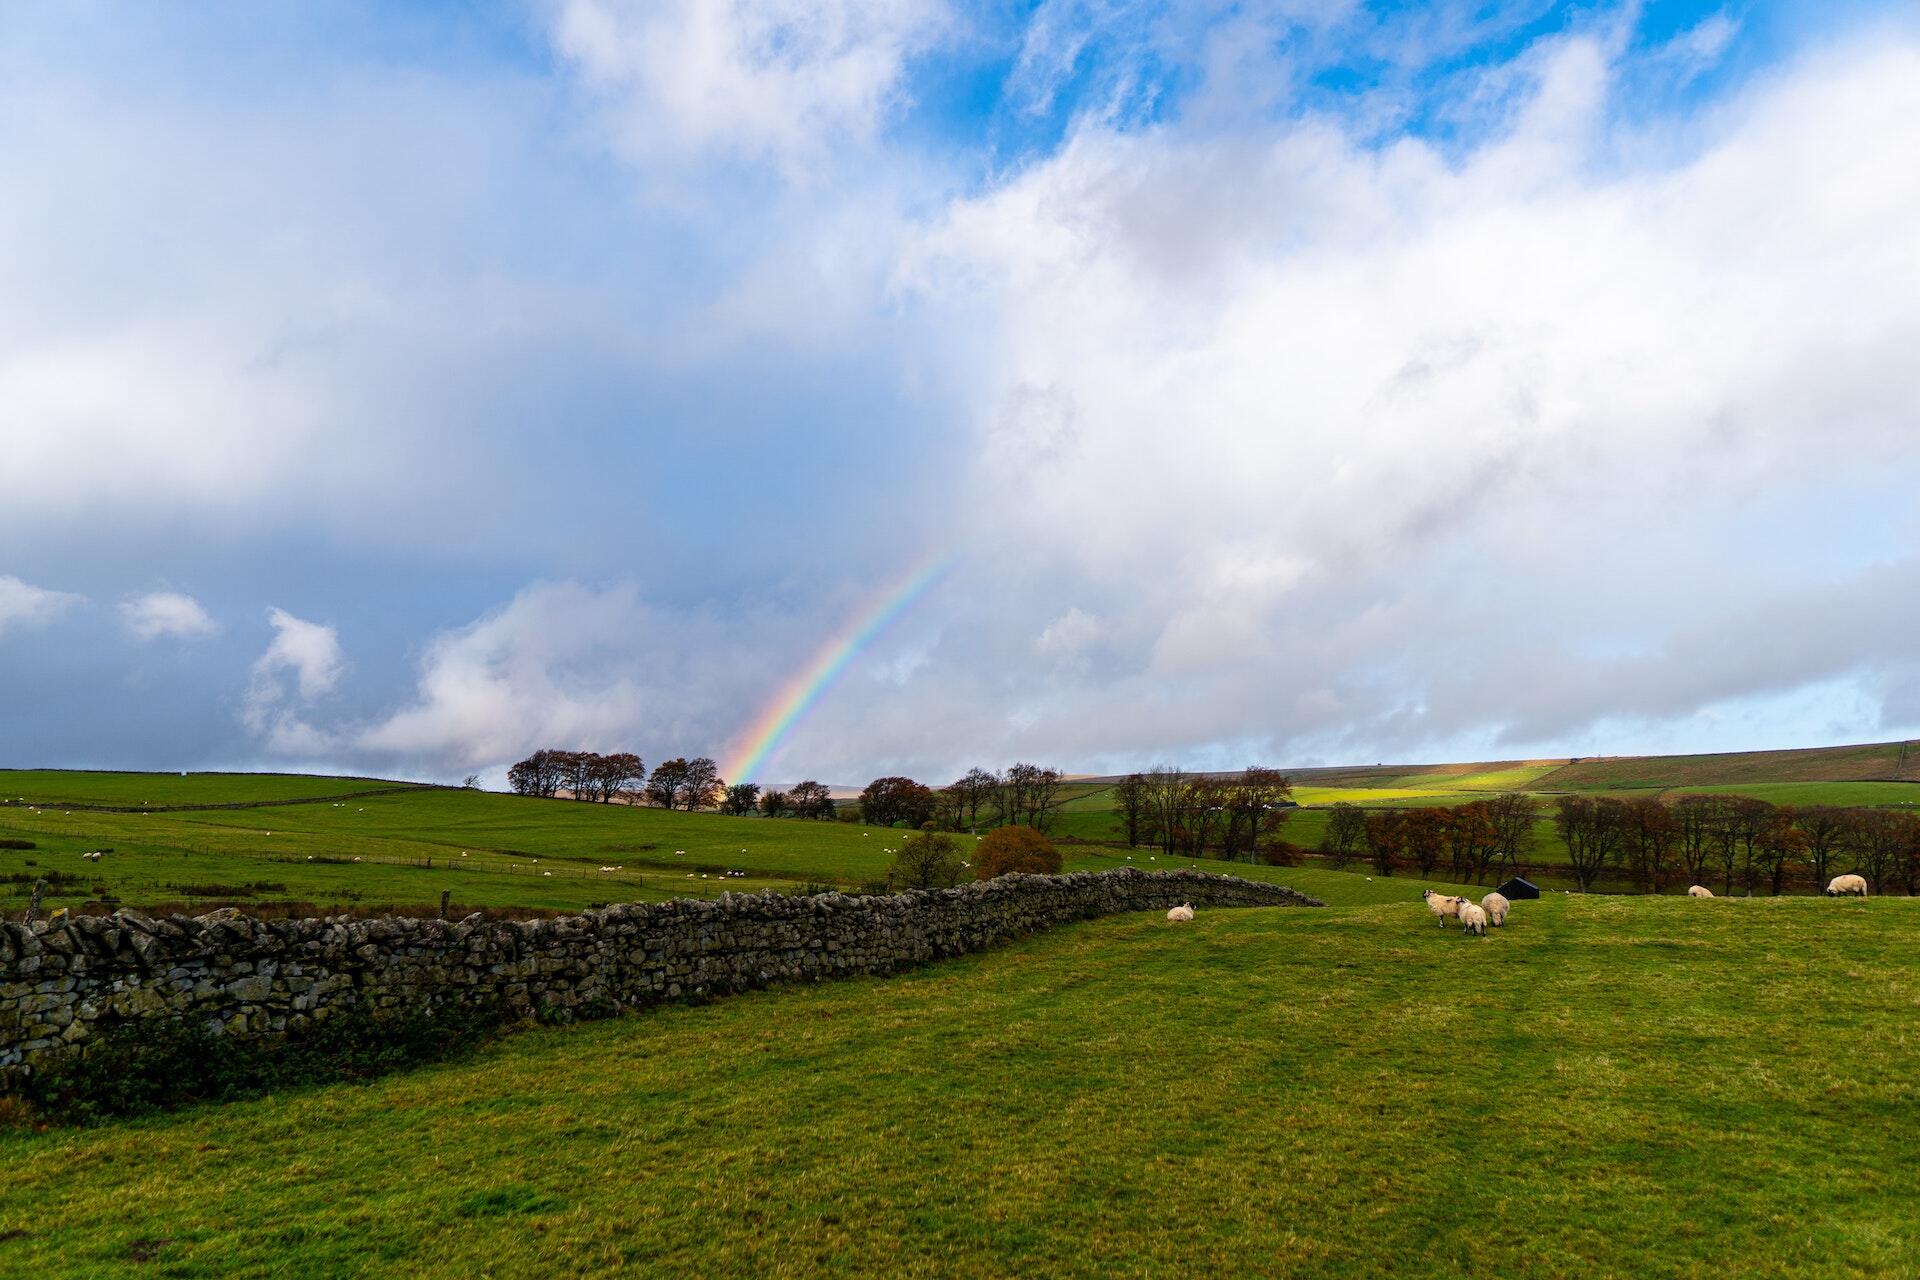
column 24, row 605
column 309, row 653
column 1335, row 428
column 779, row 80
column 563, row 664
column 166, row 613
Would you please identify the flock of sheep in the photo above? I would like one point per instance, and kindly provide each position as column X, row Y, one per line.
column 1474, row 917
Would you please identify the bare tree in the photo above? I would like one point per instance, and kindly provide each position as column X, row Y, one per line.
column 972, row 793
column 1591, row 830
column 1166, row 805
column 1824, row 828
column 1130, row 801
column 1257, row 801
column 1030, row 795
column 1346, row 833
column 1649, row 843
column 1512, row 814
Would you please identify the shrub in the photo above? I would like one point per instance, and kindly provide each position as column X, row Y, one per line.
column 10, row 843
column 1281, row 853
column 926, row 860
column 1005, row 850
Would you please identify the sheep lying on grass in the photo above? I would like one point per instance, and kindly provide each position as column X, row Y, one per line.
column 1496, row 906
column 1442, row 905
column 1847, row 887
column 1182, row 912
column 1699, row 891
column 1473, row 918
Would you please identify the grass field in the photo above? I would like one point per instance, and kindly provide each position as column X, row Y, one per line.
column 1607, row 1087
column 364, row 843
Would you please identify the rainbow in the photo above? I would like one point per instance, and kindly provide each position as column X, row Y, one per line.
column 780, row 716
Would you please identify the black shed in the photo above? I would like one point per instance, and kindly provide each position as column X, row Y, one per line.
column 1517, row 888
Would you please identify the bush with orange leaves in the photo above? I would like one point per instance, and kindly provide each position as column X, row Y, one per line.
column 1005, row 850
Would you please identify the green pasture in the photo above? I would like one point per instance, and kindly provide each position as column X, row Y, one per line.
column 1608, row 1086
column 54, row 787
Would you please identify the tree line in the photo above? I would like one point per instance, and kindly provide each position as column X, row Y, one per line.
column 1739, row 842
column 1025, row 795
column 1197, row 814
column 678, row 783
column 1733, row 842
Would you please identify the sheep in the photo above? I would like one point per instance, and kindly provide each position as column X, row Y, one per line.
column 1847, row 887
column 1496, row 906
column 1442, row 905
column 1699, row 891
column 1473, row 918
column 1182, row 912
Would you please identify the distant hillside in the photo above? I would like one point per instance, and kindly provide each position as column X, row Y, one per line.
column 1869, row 762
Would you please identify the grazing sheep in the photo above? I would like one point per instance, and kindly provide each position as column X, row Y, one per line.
column 1847, row 887
column 1182, row 912
column 1442, row 905
column 1496, row 906
column 1699, row 891
column 1472, row 918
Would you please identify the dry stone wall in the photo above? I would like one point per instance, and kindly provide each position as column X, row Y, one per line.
column 63, row 985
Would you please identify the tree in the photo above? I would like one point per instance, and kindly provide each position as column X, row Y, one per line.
column 1423, row 838
column 1386, row 836
column 1030, row 795
column 1591, row 829
column 577, row 771
column 1512, row 814
column 1257, row 801
column 1752, row 819
column 926, row 860
column 1203, row 810
column 703, row 786
column 1783, row 847
column 667, row 782
column 887, row 801
column 538, row 775
column 1649, row 841
column 616, row 774
column 1165, row 805
column 1824, row 828
column 811, row 799
column 1005, row 850
column 1346, row 833
column 1693, row 818
column 1473, row 840
column 973, row 793
column 773, row 803
column 1130, row 800
column 741, row 799
column 1879, row 844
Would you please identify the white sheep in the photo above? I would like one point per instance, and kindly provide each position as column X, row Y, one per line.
column 1473, row 918
column 1847, row 887
column 1182, row 912
column 1442, row 905
column 1699, row 891
column 1496, row 906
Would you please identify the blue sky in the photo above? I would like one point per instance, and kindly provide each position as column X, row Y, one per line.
column 397, row 388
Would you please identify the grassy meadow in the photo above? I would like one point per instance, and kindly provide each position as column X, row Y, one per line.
column 1608, row 1086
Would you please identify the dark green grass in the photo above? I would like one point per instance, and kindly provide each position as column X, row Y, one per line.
column 1606, row 1087
column 58, row 786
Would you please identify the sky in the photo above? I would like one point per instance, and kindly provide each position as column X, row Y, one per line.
column 854, row 387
